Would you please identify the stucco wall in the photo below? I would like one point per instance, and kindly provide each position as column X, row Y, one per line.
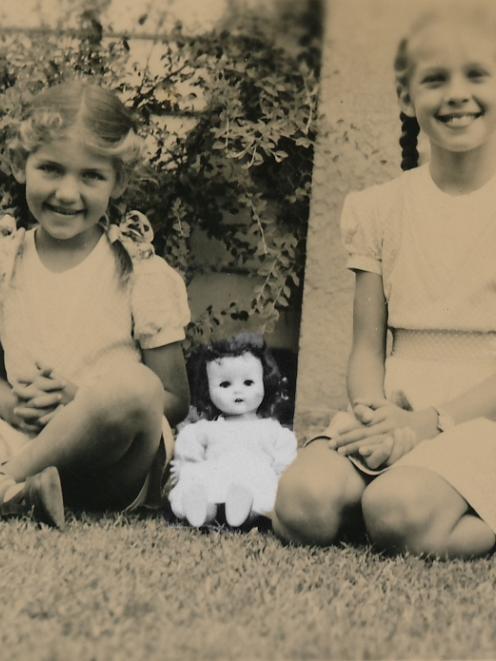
column 358, row 147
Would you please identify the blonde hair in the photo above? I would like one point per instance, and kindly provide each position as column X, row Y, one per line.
column 104, row 123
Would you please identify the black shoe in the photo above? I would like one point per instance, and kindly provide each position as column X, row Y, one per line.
column 43, row 492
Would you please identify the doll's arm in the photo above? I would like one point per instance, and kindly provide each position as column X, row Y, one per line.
column 283, row 449
column 191, row 443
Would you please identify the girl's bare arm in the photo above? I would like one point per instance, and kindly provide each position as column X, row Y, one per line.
column 366, row 362
column 168, row 364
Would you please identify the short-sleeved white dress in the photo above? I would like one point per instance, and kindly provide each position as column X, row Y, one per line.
column 436, row 254
column 85, row 321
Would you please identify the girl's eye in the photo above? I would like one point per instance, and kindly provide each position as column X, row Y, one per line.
column 224, row 384
column 248, row 382
column 93, row 175
column 50, row 168
column 477, row 74
column 433, row 79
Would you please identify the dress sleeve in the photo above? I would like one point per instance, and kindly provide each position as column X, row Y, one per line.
column 191, row 443
column 361, row 231
column 284, row 449
column 280, row 444
column 159, row 303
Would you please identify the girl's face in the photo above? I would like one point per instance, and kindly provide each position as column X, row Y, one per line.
column 452, row 87
column 236, row 385
column 68, row 187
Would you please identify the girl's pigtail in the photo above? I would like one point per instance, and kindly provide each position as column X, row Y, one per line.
column 409, row 139
column 124, row 262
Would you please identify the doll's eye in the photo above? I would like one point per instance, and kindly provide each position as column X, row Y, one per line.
column 224, row 384
column 248, row 382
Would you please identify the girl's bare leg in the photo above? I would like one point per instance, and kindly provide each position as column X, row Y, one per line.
column 416, row 510
column 105, row 439
column 318, row 498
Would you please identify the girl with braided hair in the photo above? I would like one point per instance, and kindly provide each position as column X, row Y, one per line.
column 414, row 460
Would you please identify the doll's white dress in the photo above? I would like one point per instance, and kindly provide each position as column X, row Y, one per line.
column 436, row 254
column 218, row 453
column 83, row 322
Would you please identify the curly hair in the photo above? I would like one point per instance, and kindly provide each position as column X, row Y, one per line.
column 252, row 343
column 101, row 119
column 102, row 122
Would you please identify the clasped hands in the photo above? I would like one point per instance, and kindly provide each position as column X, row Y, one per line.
column 38, row 398
column 379, row 431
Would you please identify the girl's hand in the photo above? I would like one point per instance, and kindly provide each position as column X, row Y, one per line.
column 341, row 423
column 386, row 418
column 39, row 399
column 26, row 424
column 355, row 421
column 43, row 389
column 388, row 448
column 363, row 413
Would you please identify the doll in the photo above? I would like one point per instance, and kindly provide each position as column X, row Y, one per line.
column 236, row 452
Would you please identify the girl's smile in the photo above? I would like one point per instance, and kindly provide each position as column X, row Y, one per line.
column 452, row 87
column 68, row 188
column 458, row 120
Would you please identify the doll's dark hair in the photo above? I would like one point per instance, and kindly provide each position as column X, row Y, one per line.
column 253, row 343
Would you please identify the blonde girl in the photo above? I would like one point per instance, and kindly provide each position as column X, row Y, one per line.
column 423, row 251
column 91, row 320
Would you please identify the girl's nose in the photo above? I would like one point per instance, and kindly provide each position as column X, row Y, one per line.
column 457, row 90
column 67, row 189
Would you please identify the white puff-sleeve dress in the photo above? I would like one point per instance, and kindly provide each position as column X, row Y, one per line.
column 217, row 453
column 436, row 255
column 85, row 321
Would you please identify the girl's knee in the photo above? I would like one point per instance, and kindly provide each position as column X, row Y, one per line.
column 312, row 503
column 132, row 395
column 399, row 515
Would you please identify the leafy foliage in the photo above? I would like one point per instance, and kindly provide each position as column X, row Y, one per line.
column 229, row 122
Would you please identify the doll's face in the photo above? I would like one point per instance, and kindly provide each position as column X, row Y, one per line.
column 235, row 384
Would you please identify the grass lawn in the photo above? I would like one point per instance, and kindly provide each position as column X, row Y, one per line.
column 131, row 587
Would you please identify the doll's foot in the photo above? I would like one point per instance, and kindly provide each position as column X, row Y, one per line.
column 239, row 502
column 197, row 510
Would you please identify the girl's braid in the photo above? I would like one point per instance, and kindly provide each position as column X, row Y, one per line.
column 409, row 137
column 409, row 125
